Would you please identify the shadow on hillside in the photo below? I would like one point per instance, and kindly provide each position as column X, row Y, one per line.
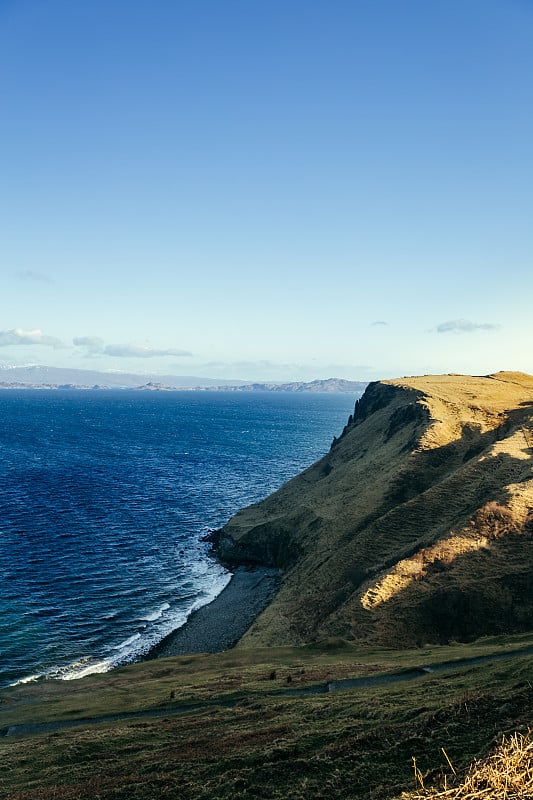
column 472, row 593
column 435, row 493
column 475, row 482
column 480, row 593
column 429, row 466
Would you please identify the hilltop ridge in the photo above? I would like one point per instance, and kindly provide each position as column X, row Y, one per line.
column 416, row 527
column 42, row 377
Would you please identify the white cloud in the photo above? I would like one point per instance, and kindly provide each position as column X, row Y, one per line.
column 17, row 336
column 31, row 275
column 141, row 351
column 379, row 322
column 465, row 326
column 93, row 344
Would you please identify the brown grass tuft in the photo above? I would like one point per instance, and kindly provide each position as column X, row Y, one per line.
column 495, row 520
column 507, row 774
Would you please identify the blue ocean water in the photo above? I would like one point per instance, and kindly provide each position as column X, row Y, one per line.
column 104, row 499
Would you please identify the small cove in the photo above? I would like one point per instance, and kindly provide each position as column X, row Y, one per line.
column 104, row 499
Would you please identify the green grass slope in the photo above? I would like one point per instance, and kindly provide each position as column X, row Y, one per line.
column 224, row 727
column 416, row 527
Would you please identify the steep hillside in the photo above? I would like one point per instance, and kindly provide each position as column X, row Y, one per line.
column 416, row 527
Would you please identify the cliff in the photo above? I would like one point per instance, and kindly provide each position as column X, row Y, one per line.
column 416, row 527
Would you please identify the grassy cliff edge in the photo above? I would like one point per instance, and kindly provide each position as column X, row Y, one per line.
column 416, row 527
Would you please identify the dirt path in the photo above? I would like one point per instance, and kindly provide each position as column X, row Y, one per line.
column 323, row 688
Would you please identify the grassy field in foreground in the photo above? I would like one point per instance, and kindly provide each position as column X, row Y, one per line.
column 244, row 738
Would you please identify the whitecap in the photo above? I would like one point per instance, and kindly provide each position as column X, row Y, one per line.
column 79, row 671
column 137, row 645
column 127, row 642
column 69, row 672
column 155, row 615
column 27, row 679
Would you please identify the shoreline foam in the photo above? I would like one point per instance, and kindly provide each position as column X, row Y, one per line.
column 218, row 625
column 135, row 647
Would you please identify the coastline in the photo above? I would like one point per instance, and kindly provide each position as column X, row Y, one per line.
column 220, row 624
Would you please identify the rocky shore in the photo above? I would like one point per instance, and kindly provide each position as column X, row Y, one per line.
column 219, row 625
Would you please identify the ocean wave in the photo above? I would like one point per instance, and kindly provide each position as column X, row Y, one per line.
column 127, row 642
column 138, row 644
column 69, row 672
column 27, row 679
column 155, row 615
column 76, row 671
column 170, row 620
column 107, row 534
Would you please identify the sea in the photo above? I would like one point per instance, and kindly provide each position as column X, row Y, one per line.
column 105, row 499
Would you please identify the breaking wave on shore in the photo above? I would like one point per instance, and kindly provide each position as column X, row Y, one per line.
column 105, row 500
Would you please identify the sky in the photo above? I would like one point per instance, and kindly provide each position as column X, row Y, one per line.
column 269, row 190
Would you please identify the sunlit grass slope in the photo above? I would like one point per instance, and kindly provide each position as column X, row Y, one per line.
column 416, row 527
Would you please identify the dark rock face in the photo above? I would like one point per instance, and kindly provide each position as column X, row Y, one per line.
column 275, row 551
column 376, row 397
column 411, row 413
column 271, row 544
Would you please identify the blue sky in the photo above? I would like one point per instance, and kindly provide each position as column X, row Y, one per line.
column 270, row 190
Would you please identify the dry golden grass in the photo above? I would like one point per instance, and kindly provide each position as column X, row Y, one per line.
column 507, row 774
column 421, row 509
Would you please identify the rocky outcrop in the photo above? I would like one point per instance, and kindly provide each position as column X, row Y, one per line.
column 415, row 527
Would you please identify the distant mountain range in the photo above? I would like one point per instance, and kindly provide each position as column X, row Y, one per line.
column 329, row 385
column 38, row 377
column 55, row 377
